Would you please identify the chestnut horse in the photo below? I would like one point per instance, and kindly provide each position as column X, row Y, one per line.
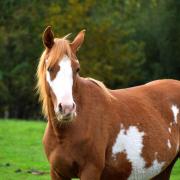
column 95, row 133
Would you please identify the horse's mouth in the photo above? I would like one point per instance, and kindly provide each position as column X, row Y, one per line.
column 66, row 118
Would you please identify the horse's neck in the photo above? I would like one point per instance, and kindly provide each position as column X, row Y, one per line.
column 87, row 95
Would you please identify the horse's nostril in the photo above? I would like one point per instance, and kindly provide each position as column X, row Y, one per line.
column 60, row 107
column 66, row 108
column 74, row 107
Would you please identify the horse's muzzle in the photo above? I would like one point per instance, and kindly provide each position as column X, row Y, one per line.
column 66, row 117
column 66, row 112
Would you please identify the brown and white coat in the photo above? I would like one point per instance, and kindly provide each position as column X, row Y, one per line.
column 131, row 133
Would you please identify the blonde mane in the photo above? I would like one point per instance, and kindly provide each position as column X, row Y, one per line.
column 102, row 86
column 49, row 59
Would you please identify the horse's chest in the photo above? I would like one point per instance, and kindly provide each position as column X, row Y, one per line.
column 63, row 162
column 59, row 155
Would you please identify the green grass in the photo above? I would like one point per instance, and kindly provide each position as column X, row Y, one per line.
column 176, row 171
column 21, row 147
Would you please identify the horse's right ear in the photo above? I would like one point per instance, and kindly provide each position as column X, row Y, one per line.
column 75, row 45
column 48, row 37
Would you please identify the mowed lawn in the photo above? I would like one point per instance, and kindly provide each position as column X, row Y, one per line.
column 21, row 152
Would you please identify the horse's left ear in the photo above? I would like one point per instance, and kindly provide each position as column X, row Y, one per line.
column 48, row 37
column 78, row 40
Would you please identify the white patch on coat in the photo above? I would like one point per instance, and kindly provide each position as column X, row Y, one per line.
column 171, row 124
column 63, row 82
column 122, row 126
column 155, row 154
column 169, row 144
column 169, row 129
column 177, row 148
column 175, row 111
column 130, row 141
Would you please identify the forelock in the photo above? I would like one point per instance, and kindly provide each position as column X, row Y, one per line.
column 60, row 48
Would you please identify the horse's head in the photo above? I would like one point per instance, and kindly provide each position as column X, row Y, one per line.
column 62, row 68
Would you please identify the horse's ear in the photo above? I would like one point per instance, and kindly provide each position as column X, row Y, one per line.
column 48, row 37
column 78, row 40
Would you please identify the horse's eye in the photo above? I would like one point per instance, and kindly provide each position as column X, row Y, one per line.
column 77, row 70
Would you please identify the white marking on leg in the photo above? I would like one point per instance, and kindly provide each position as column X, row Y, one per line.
column 169, row 144
column 130, row 141
column 175, row 111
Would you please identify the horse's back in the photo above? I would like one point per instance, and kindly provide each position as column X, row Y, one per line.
column 162, row 95
column 168, row 87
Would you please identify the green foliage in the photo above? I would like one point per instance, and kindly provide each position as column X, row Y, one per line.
column 128, row 42
column 159, row 28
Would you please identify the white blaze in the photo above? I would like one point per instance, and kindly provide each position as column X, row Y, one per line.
column 130, row 141
column 63, row 82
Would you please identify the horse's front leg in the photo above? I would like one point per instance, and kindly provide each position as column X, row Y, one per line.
column 91, row 172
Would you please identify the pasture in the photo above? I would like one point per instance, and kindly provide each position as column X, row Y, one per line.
column 21, row 152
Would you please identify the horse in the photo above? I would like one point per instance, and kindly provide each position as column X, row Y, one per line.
column 95, row 133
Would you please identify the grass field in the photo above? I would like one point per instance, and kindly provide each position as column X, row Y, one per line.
column 21, row 152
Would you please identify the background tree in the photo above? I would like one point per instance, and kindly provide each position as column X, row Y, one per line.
column 128, row 42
